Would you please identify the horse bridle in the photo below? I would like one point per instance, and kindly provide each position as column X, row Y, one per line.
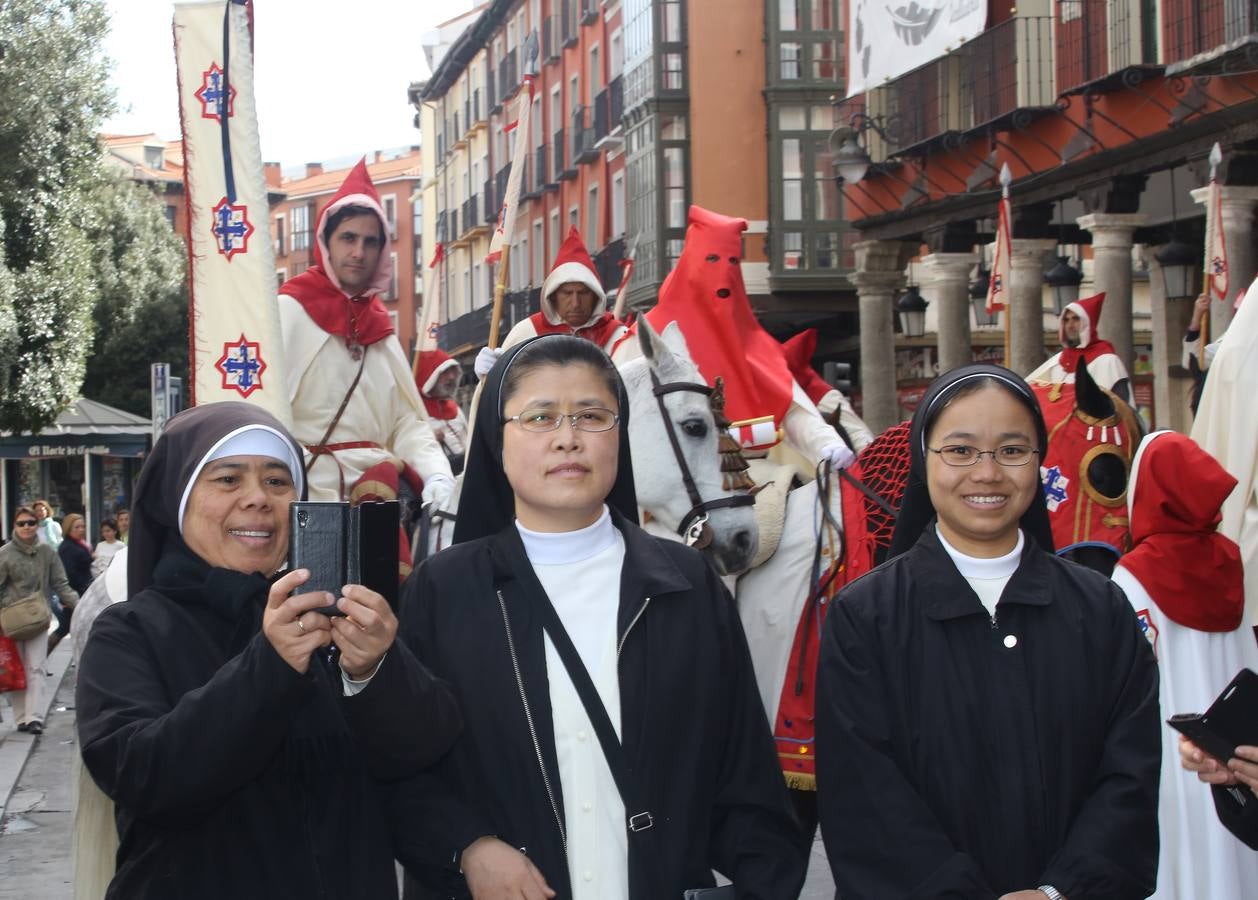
column 694, row 523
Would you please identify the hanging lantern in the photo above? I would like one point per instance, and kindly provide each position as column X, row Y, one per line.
column 1064, row 279
column 1177, row 260
column 912, row 310
column 978, row 298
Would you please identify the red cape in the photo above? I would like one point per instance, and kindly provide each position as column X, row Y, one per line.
column 1193, row 573
column 1070, row 356
column 799, row 351
column 599, row 331
column 705, row 295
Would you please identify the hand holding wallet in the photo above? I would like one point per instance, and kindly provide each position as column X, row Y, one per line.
column 1231, row 720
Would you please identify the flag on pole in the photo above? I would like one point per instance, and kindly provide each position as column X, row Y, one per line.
column 998, row 287
column 519, row 162
column 233, row 322
column 1216, row 244
column 427, row 337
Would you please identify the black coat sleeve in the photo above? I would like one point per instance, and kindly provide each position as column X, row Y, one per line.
column 174, row 762
column 405, row 717
column 882, row 839
column 1240, row 818
column 431, row 819
column 1112, row 847
column 755, row 838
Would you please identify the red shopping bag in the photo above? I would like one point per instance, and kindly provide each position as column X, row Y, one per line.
column 12, row 674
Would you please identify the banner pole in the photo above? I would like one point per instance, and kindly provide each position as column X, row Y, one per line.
column 500, row 291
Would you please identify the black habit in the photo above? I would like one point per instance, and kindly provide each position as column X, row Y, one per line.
column 694, row 729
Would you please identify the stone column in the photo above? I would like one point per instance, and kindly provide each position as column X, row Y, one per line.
column 878, row 276
column 1172, row 384
column 950, row 295
column 1031, row 257
column 1238, row 204
column 1111, row 273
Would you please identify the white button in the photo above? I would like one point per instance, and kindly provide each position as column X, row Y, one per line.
column 586, row 807
column 580, row 735
column 1011, row 641
column 587, row 875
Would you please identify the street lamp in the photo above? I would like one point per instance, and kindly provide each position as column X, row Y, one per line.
column 978, row 297
column 849, row 158
column 1064, row 279
column 912, row 309
column 1177, row 260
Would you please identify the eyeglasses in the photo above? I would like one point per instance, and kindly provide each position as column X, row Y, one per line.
column 594, row 419
column 961, row 455
column 26, row 523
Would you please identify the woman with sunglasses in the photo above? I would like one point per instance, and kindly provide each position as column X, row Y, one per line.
column 27, row 567
column 987, row 713
column 568, row 634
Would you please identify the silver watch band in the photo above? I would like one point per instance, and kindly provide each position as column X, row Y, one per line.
column 1050, row 892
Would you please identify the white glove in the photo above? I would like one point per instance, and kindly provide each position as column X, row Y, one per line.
column 485, row 360
column 840, row 455
column 438, row 488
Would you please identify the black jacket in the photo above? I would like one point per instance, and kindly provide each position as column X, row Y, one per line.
column 694, row 729
column 233, row 776
column 1239, row 818
column 963, row 757
column 77, row 561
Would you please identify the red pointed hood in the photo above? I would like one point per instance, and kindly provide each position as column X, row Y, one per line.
column 357, row 190
column 362, row 319
column 572, row 263
column 1089, row 311
column 1191, row 571
column 705, row 295
column 799, row 351
column 432, row 363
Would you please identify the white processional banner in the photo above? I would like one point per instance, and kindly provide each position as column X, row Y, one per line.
column 519, row 162
column 887, row 38
column 233, row 321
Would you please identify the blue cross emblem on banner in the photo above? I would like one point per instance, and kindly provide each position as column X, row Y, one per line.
column 231, row 228
column 1217, row 265
column 215, row 101
column 1055, row 485
column 242, row 366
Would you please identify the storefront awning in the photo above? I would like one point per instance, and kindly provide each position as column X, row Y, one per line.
column 84, row 427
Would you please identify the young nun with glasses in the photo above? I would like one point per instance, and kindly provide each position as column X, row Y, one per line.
column 551, row 585
column 987, row 713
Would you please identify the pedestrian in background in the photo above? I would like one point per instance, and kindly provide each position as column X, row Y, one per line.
column 124, row 524
column 76, row 559
column 243, row 761
column 28, row 567
column 48, row 531
column 108, row 545
column 987, row 713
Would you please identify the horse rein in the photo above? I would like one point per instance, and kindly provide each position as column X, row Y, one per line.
column 693, row 528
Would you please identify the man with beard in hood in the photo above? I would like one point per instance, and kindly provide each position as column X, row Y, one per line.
column 437, row 377
column 353, row 396
column 1079, row 340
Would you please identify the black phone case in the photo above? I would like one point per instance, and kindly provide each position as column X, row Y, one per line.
column 343, row 545
column 1231, row 720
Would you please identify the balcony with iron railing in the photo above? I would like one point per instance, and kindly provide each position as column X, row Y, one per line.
column 589, row 12
column 492, row 202
column 1193, row 27
column 471, row 216
column 542, row 170
column 508, row 75
column 492, row 98
column 583, row 149
column 565, row 168
column 471, row 330
column 531, row 180
column 607, row 263
column 500, row 182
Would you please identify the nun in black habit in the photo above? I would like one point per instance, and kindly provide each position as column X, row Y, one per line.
column 987, row 714
column 242, row 760
column 547, row 540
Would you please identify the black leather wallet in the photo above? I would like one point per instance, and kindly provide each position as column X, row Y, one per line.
column 343, row 545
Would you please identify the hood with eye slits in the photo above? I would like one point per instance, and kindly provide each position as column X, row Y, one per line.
column 706, row 296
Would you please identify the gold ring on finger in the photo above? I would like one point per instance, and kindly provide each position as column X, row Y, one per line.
column 301, row 626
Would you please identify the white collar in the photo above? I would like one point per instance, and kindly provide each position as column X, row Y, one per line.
column 550, row 548
column 979, row 567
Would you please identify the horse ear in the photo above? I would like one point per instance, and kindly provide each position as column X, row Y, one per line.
column 1089, row 396
column 675, row 340
column 653, row 346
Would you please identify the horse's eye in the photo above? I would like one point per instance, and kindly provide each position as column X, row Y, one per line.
column 695, row 428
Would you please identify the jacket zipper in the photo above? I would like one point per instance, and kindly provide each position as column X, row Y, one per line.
column 634, row 621
column 528, row 716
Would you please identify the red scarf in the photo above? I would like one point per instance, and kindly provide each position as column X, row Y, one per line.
column 1070, row 356
column 599, row 331
column 444, row 408
column 363, row 319
column 1192, row 572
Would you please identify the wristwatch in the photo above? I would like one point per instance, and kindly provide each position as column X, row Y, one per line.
column 1050, row 892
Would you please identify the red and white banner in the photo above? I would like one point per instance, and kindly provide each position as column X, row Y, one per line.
column 1216, row 244
column 998, row 286
column 234, row 329
column 519, row 162
column 430, row 319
